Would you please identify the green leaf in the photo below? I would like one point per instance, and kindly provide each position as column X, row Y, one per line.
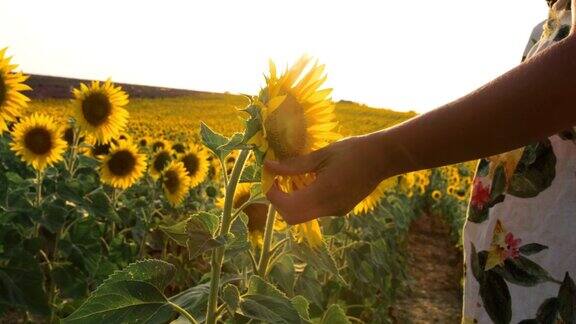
column 335, row 315
column 177, row 232
column 301, row 304
column 567, row 300
column 522, row 271
column 308, row 285
column 266, row 303
column 253, row 124
column 238, row 241
column 155, row 272
column 283, row 273
column 496, row 298
column 133, row 294
column 251, row 173
column 54, row 215
column 212, row 140
column 100, row 206
column 532, row 248
column 70, row 280
column 3, row 186
column 257, row 285
column 121, row 302
column 319, row 257
column 201, row 229
column 232, row 144
column 231, row 297
column 194, row 300
column 22, row 284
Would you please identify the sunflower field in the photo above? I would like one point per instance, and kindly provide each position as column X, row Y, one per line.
column 125, row 210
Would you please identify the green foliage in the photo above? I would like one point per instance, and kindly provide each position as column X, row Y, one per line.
column 79, row 252
column 131, row 295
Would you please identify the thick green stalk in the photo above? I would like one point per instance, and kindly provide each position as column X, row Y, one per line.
column 268, row 233
column 218, row 254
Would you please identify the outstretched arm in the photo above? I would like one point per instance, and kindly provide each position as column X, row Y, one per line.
column 528, row 103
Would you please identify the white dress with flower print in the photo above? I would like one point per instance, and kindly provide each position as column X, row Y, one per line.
column 520, row 236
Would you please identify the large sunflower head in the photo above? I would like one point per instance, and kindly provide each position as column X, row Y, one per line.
column 175, row 182
column 38, row 141
column 99, row 109
column 256, row 213
column 123, row 166
column 12, row 101
column 368, row 204
column 195, row 161
column 297, row 118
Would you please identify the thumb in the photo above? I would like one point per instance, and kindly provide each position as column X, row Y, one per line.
column 296, row 165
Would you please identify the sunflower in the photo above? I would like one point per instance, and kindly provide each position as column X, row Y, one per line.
column 160, row 161
column 230, row 160
column 160, row 145
column 99, row 110
column 297, row 118
column 195, row 161
column 11, row 84
column 256, row 213
column 68, row 135
column 38, row 141
column 436, row 195
column 179, row 147
column 371, row 201
column 124, row 137
column 144, row 141
column 175, row 182
column 124, row 166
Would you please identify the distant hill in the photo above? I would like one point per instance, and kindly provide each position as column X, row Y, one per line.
column 51, row 87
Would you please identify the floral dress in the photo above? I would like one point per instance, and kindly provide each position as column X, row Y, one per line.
column 520, row 235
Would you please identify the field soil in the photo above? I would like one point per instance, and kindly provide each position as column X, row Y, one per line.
column 434, row 291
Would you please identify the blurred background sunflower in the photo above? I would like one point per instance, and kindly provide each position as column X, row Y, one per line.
column 123, row 166
column 369, row 203
column 196, row 163
column 38, row 141
column 160, row 144
column 256, row 213
column 99, row 109
column 12, row 101
column 175, row 182
column 179, row 147
column 160, row 161
column 298, row 118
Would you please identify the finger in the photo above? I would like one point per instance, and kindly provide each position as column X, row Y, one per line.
column 299, row 206
column 296, row 165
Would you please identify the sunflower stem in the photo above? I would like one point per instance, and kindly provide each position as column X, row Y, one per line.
column 224, row 172
column 268, row 233
column 39, row 179
column 38, row 202
column 218, row 254
column 74, row 151
column 183, row 312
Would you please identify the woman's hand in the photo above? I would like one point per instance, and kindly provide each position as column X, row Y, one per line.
column 346, row 172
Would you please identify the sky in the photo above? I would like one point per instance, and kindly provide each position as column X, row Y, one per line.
column 404, row 55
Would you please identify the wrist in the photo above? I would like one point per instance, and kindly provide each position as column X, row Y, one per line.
column 384, row 155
